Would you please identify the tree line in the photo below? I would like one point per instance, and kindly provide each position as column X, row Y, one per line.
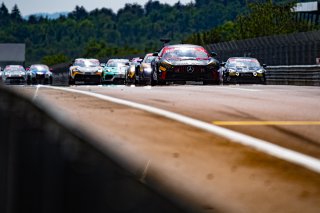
column 260, row 19
column 137, row 29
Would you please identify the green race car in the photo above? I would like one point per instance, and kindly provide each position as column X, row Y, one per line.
column 114, row 71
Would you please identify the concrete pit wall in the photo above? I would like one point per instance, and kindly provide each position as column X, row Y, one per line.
column 45, row 167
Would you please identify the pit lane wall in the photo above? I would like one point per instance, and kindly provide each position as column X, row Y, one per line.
column 49, row 165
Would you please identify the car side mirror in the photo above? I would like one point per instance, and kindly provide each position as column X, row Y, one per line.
column 213, row 54
column 155, row 54
column 223, row 64
column 264, row 65
column 103, row 64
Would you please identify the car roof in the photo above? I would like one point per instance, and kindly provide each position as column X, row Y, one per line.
column 183, row 45
column 14, row 65
column 119, row 60
column 38, row 65
column 85, row 59
column 241, row 58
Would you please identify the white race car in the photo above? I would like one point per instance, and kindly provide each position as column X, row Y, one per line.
column 85, row 71
column 14, row 74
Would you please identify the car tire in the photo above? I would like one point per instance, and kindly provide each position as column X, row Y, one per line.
column 28, row 81
column 154, row 79
column 71, row 81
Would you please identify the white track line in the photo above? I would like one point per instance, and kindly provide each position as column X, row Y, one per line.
column 36, row 93
column 241, row 89
column 261, row 145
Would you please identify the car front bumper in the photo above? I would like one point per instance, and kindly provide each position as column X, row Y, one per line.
column 112, row 77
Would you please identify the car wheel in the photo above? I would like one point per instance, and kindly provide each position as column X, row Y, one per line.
column 71, row 81
column 153, row 79
column 28, row 81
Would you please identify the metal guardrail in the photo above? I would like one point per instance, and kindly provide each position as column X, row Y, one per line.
column 49, row 165
column 290, row 49
column 301, row 75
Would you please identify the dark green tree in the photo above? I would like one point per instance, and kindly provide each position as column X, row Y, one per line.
column 269, row 18
column 4, row 13
column 54, row 59
column 79, row 13
column 15, row 13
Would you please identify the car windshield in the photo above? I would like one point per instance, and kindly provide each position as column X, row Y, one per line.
column 14, row 69
column 243, row 63
column 185, row 53
column 39, row 68
column 87, row 63
column 116, row 64
column 149, row 59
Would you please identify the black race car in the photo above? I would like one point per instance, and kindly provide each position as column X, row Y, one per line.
column 143, row 74
column 243, row 70
column 184, row 62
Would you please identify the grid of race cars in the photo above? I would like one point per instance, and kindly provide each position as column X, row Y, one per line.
column 172, row 64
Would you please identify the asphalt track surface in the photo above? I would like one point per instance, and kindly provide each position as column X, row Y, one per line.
column 210, row 168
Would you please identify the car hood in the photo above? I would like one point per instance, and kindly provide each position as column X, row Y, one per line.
column 40, row 71
column 88, row 69
column 16, row 73
column 189, row 62
column 246, row 69
column 116, row 69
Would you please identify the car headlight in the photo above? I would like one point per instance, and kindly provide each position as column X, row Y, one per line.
column 212, row 62
column 147, row 69
column 75, row 70
column 233, row 72
column 132, row 69
column 261, row 71
column 164, row 65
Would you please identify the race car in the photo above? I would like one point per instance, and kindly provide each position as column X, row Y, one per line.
column 243, row 70
column 1, row 73
column 39, row 73
column 85, row 71
column 184, row 62
column 132, row 71
column 143, row 75
column 14, row 74
column 115, row 70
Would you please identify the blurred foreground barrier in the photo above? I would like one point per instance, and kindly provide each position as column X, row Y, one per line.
column 49, row 167
column 302, row 75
